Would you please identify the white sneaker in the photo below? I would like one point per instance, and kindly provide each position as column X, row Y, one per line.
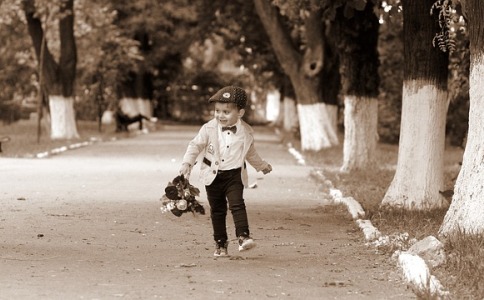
column 246, row 243
column 153, row 119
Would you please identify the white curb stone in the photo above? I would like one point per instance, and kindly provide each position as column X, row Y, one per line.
column 415, row 270
column 370, row 232
column 417, row 273
column 431, row 250
column 354, row 207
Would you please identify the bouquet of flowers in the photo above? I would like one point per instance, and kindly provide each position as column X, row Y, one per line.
column 179, row 198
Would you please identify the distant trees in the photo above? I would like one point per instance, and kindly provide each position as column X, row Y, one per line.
column 15, row 63
column 163, row 33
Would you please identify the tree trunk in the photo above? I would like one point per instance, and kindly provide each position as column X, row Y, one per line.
column 420, row 169
column 419, row 175
column 290, row 120
column 303, row 71
column 467, row 208
column 63, row 125
column 316, row 122
column 58, row 78
column 360, row 133
column 358, row 55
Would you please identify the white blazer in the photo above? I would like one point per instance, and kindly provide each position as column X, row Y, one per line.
column 206, row 143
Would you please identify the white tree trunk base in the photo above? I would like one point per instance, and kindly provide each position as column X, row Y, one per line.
column 420, row 169
column 62, row 118
column 290, row 120
column 133, row 107
column 467, row 209
column 318, row 126
column 361, row 134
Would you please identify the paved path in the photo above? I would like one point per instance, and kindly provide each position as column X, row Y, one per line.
column 86, row 224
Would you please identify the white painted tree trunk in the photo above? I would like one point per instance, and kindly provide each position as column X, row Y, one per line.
column 419, row 174
column 466, row 212
column 361, row 135
column 290, row 120
column 135, row 106
column 318, row 126
column 62, row 118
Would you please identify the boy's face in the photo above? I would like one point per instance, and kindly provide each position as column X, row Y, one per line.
column 227, row 114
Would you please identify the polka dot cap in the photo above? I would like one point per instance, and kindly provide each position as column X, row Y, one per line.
column 230, row 94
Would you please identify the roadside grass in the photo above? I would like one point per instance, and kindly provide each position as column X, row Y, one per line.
column 463, row 273
column 23, row 138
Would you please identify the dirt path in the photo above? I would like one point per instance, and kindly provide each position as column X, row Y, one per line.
column 86, row 224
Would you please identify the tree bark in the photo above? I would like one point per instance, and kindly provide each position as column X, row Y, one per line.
column 303, row 71
column 419, row 175
column 360, row 133
column 467, row 208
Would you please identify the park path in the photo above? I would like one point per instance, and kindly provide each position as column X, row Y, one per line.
column 86, row 224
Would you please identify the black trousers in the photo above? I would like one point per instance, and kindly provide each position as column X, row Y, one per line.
column 227, row 188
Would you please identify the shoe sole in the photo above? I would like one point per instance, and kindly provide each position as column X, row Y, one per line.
column 247, row 246
column 225, row 255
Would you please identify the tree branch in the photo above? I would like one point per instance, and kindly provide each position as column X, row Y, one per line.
column 282, row 44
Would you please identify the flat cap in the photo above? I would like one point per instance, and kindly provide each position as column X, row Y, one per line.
column 230, row 94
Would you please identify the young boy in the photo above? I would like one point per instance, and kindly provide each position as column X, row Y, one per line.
column 226, row 142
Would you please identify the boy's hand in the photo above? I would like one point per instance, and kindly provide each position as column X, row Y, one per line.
column 185, row 170
column 268, row 169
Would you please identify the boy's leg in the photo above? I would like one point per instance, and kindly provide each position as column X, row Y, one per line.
column 218, row 210
column 235, row 197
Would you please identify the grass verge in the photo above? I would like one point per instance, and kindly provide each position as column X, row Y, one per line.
column 23, row 138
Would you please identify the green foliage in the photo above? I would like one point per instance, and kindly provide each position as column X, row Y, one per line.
column 458, row 86
column 444, row 40
column 390, row 49
column 16, row 58
column 349, row 7
column 237, row 24
column 106, row 53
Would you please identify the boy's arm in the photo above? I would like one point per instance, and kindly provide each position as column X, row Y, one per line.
column 195, row 147
column 256, row 161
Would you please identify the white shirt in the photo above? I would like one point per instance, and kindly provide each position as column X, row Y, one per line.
column 231, row 147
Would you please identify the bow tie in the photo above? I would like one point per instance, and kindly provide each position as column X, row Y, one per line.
column 231, row 128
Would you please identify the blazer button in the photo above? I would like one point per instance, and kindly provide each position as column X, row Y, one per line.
column 214, row 172
column 216, row 163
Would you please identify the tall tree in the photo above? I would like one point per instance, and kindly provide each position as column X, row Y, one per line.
column 58, row 77
column 467, row 207
column 419, row 175
column 317, row 120
column 356, row 28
